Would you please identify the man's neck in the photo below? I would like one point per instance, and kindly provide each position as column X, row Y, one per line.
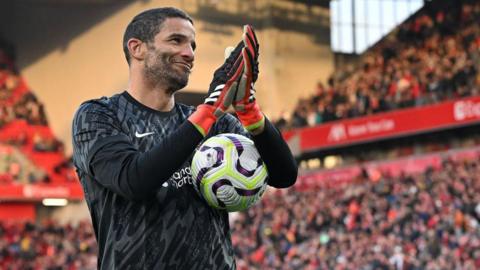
column 153, row 96
column 156, row 99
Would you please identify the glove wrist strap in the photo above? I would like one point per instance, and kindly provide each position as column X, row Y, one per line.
column 203, row 118
column 251, row 117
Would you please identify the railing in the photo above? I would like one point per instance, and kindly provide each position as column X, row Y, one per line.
column 399, row 123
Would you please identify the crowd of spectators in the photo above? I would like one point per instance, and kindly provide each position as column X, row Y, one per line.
column 46, row 144
column 30, row 109
column 16, row 167
column 424, row 221
column 27, row 107
column 47, row 246
column 19, row 104
column 432, row 57
column 429, row 220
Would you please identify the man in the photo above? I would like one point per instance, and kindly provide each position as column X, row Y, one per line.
column 133, row 150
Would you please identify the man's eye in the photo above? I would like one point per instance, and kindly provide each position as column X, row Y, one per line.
column 176, row 40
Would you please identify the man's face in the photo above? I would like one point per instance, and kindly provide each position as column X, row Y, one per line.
column 170, row 56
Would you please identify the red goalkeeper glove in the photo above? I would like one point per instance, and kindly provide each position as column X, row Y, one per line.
column 245, row 103
column 220, row 93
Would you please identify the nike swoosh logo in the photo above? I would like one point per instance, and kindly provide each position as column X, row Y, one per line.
column 141, row 135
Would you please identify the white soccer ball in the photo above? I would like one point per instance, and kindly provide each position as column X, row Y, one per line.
column 228, row 172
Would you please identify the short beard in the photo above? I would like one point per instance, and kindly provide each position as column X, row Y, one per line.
column 160, row 73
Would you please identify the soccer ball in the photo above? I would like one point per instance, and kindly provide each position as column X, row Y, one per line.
column 228, row 172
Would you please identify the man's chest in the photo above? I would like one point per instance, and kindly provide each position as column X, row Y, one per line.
column 146, row 131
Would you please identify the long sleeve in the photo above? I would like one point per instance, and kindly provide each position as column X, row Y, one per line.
column 138, row 175
column 103, row 151
column 281, row 165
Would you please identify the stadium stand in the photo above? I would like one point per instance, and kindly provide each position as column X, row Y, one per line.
column 410, row 212
column 24, row 131
column 429, row 219
column 425, row 61
column 418, row 213
column 48, row 245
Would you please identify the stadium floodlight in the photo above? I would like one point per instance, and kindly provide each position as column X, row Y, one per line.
column 54, row 202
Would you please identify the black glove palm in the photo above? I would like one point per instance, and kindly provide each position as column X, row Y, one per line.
column 225, row 80
column 221, row 92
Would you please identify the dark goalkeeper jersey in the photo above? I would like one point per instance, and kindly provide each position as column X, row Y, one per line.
column 174, row 228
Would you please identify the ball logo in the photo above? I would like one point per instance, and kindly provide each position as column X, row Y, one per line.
column 465, row 109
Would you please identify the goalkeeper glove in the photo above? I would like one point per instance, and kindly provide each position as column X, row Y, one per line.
column 220, row 93
column 245, row 104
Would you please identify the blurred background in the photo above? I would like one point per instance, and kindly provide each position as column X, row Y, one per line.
column 378, row 100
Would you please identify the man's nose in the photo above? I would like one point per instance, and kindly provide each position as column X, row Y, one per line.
column 188, row 53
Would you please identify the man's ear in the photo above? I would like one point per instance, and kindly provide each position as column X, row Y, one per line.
column 137, row 48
